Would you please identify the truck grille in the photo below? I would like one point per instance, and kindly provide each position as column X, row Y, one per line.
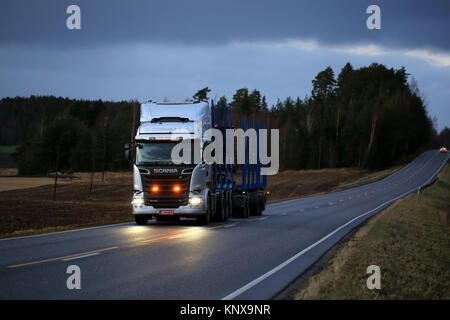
column 165, row 197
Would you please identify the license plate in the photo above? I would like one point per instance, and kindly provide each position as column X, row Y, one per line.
column 166, row 212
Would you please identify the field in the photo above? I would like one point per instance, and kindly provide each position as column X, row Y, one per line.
column 410, row 241
column 32, row 210
column 292, row 184
column 27, row 206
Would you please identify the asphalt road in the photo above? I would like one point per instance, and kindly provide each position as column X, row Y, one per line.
column 241, row 259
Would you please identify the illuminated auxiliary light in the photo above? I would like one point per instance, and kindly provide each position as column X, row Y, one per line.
column 155, row 189
column 137, row 201
column 176, row 188
column 195, row 201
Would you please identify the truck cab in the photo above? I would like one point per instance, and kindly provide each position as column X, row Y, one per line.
column 167, row 189
column 162, row 188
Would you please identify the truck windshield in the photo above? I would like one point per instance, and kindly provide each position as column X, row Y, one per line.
column 157, row 153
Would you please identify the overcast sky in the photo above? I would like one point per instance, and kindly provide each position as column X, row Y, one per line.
column 155, row 49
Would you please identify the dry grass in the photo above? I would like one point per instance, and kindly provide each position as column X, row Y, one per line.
column 10, row 181
column 8, row 172
column 32, row 210
column 410, row 242
column 292, row 184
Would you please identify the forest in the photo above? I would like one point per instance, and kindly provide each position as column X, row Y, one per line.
column 368, row 118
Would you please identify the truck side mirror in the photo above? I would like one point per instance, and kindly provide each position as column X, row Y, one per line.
column 127, row 151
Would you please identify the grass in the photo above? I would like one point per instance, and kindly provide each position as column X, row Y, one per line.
column 292, row 184
column 410, row 242
column 32, row 210
column 8, row 149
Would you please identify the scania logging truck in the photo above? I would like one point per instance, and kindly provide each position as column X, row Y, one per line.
column 167, row 190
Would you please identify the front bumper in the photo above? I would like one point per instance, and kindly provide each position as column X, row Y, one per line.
column 184, row 211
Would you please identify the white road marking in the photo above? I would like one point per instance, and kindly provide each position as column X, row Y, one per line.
column 251, row 284
column 83, row 256
column 67, row 231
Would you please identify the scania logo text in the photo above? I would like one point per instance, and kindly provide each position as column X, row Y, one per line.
column 165, row 170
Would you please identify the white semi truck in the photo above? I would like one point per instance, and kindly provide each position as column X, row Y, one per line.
column 167, row 191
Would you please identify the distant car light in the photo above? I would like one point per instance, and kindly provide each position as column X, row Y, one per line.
column 195, row 201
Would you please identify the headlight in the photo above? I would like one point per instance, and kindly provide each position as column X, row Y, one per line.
column 138, row 201
column 195, row 201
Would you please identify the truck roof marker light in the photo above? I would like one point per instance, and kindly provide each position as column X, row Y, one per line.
column 155, row 188
column 168, row 138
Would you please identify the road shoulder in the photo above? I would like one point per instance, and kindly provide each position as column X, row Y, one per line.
column 409, row 241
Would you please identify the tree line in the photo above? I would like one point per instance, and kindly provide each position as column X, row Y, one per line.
column 67, row 135
column 368, row 117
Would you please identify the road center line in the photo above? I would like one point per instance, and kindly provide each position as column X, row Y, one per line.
column 231, row 225
column 251, row 284
column 83, row 256
column 61, row 258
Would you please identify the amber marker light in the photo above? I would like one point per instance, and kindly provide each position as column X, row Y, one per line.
column 155, row 189
column 176, row 188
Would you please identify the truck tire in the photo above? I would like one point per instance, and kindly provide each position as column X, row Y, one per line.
column 227, row 206
column 247, row 207
column 141, row 220
column 255, row 208
column 221, row 212
column 260, row 205
column 230, row 205
column 205, row 219
column 260, row 208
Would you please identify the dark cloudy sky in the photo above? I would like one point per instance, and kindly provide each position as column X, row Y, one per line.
column 155, row 49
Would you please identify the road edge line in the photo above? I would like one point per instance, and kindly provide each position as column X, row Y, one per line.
column 302, row 252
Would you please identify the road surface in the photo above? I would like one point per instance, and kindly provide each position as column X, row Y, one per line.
column 241, row 259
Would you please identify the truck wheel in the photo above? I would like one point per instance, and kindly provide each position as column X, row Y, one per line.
column 246, row 208
column 141, row 220
column 221, row 212
column 204, row 220
column 254, row 208
column 260, row 206
column 226, row 207
column 230, row 205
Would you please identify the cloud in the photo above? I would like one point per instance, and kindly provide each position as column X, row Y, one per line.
column 154, row 71
column 406, row 24
column 438, row 59
column 299, row 44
